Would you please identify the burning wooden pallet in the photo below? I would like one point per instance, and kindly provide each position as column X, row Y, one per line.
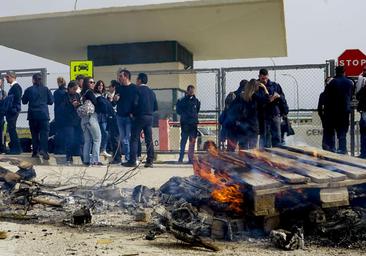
column 264, row 176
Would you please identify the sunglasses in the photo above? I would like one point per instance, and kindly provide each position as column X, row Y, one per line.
column 91, row 82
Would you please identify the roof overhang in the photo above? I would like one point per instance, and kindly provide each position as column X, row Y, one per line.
column 210, row 29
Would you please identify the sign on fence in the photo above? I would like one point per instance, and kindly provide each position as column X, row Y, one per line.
column 353, row 60
column 81, row 67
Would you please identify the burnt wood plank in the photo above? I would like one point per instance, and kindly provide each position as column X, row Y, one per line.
column 330, row 156
column 284, row 176
column 351, row 171
column 249, row 176
column 258, row 180
column 334, row 197
column 316, row 174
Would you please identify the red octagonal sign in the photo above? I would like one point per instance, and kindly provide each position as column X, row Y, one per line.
column 353, row 60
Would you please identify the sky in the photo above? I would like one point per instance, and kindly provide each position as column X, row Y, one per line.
column 317, row 30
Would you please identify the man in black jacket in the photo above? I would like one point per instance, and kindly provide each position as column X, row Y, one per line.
column 13, row 113
column 337, row 108
column 38, row 97
column 145, row 105
column 328, row 133
column 58, row 97
column 188, row 108
column 124, row 99
column 270, row 114
column 361, row 97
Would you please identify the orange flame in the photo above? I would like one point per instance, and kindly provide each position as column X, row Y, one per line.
column 231, row 195
column 223, row 193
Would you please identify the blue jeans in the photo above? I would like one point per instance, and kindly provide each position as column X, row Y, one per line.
column 142, row 123
column 92, row 139
column 272, row 132
column 124, row 127
column 104, row 132
column 188, row 131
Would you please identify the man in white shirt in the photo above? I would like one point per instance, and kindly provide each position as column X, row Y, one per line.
column 361, row 81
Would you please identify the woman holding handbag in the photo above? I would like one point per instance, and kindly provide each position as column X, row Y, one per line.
column 89, row 123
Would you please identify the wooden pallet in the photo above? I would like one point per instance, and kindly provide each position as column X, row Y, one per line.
column 278, row 170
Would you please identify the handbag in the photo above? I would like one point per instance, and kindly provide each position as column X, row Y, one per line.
column 86, row 109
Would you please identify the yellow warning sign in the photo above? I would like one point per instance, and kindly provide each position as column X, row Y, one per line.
column 81, row 67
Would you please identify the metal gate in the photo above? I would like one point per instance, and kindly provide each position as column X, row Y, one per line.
column 24, row 78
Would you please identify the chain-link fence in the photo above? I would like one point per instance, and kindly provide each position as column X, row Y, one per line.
column 169, row 86
column 302, row 85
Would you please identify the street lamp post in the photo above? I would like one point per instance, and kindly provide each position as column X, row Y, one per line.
column 297, row 97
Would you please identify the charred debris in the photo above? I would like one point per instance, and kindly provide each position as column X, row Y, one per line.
column 230, row 197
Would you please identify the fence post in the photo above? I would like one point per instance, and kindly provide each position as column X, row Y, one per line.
column 164, row 134
column 44, row 76
column 221, row 79
column 352, row 128
column 331, row 67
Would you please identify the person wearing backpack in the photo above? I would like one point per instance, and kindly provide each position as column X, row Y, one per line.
column 89, row 123
column 102, row 111
column 38, row 97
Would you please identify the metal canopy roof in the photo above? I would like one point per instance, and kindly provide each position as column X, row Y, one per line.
column 210, row 29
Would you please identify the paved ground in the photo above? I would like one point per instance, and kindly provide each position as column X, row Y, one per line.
column 115, row 233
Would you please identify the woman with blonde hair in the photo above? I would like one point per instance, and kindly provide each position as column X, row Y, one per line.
column 254, row 96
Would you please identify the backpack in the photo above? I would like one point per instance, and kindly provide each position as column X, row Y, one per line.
column 6, row 104
column 86, row 109
column 102, row 106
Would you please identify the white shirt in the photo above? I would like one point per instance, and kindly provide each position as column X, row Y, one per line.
column 15, row 82
column 361, row 81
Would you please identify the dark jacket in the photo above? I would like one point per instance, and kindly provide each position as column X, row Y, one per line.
column 145, row 102
column 338, row 95
column 126, row 101
column 277, row 107
column 69, row 116
column 89, row 95
column 16, row 91
column 188, row 108
column 58, row 97
column 104, row 109
column 321, row 103
column 361, row 97
column 38, row 97
column 248, row 119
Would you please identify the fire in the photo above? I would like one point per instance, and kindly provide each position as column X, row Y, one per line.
column 231, row 195
column 226, row 191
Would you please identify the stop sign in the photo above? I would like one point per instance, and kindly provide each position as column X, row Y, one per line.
column 353, row 60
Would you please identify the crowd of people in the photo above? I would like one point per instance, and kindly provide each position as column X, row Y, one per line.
column 334, row 109
column 88, row 118
column 257, row 107
column 94, row 120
